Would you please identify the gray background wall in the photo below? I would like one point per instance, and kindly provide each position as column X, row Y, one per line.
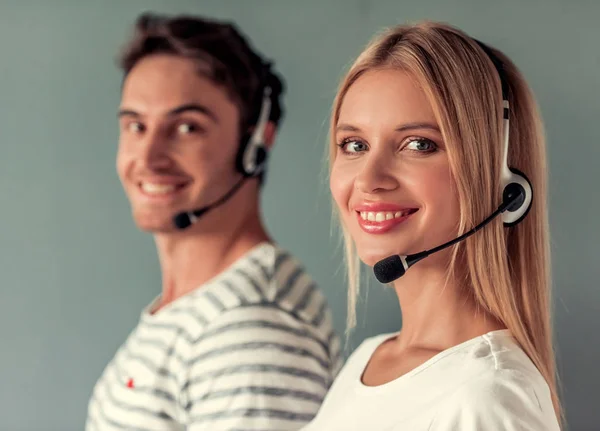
column 75, row 271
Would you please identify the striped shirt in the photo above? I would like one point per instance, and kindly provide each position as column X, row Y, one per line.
column 252, row 349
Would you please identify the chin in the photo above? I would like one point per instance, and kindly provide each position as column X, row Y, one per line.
column 152, row 223
column 372, row 250
column 154, row 229
column 371, row 257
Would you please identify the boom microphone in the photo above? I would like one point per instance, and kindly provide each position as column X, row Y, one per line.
column 185, row 219
column 393, row 267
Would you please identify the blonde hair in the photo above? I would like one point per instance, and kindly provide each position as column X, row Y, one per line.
column 505, row 270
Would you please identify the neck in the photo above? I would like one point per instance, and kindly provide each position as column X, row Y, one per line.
column 190, row 259
column 437, row 313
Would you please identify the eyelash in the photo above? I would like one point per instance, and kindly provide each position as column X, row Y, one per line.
column 195, row 128
column 342, row 145
column 128, row 127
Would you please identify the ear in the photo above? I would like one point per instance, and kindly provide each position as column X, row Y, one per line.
column 270, row 132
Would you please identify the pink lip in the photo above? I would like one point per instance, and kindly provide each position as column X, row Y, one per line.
column 379, row 227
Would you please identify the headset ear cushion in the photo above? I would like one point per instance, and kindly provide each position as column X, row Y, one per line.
column 510, row 191
column 519, row 210
column 261, row 158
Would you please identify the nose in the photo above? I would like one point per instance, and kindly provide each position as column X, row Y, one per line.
column 376, row 174
column 154, row 151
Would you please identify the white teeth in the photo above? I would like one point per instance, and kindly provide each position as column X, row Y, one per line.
column 381, row 216
column 157, row 189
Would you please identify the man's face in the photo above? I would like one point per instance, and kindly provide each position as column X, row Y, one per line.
column 179, row 135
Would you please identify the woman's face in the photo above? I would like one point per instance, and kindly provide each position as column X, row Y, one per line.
column 391, row 176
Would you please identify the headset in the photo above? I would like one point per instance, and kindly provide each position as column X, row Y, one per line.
column 512, row 180
column 252, row 154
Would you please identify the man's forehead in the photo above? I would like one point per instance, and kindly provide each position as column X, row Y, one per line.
column 169, row 74
column 161, row 84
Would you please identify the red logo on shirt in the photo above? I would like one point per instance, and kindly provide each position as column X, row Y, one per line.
column 130, row 383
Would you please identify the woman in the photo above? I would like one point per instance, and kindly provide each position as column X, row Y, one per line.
column 417, row 159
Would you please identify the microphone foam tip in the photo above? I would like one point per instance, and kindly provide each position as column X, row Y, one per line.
column 389, row 269
column 182, row 220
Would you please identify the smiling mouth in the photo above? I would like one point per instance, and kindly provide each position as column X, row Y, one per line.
column 380, row 216
column 380, row 222
column 158, row 190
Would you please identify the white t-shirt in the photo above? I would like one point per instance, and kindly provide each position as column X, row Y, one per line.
column 252, row 349
column 486, row 383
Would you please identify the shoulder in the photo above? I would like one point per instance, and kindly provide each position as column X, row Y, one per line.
column 500, row 399
column 294, row 297
column 269, row 361
column 262, row 304
column 270, row 274
column 503, row 391
column 260, row 328
column 293, row 289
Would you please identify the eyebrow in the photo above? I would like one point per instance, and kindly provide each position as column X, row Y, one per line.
column 403, row 128
column 190, row 107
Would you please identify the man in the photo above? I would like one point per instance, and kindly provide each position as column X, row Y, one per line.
column 241, row 337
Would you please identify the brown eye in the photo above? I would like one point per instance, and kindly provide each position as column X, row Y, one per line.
column 189, row 127
column 185, row 128
column 135, row 127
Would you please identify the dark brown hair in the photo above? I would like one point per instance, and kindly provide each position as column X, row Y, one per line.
column 220, row 48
